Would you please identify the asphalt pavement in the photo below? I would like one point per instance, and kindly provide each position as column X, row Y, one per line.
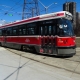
column 16, row 67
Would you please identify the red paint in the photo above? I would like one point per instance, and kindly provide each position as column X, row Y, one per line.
column 20, row 22
column 22, row 40
column 60, row 14
column 59, row 41
column 65, row 41
column 32, row 19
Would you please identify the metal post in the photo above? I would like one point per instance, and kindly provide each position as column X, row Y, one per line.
column 29, row 10
column 23, row 14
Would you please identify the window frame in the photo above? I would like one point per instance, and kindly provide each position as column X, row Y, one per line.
column 9, row 34
column 17, row 28
column 1, row 32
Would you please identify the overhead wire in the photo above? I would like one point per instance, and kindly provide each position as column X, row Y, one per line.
column 20, row 5
column 58, row 6
column 19, row 60
column 6, row 12
column 5, row 6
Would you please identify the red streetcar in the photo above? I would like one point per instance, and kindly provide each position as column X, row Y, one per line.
column 50, row 33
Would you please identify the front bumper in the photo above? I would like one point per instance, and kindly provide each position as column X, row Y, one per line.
column 66, row 50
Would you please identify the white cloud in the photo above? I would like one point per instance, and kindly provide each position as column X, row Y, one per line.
column 2, row 22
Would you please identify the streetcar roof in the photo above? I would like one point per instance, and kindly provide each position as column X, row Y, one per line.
column 55, row 15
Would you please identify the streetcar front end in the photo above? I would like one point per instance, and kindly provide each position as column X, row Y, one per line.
column 65, row 44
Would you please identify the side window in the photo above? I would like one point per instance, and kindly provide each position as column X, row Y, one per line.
column 41, row 30
column 15, row 30
column 46, row 30
column 45, row 27
column 31, row 28
column 48, row 27
column 22, row 30
column 4, row 31
column 54, row 30
column 0, row 32
column 50, row 30
column 9, row 31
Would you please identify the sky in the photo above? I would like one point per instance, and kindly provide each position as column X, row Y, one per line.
column 11, row 10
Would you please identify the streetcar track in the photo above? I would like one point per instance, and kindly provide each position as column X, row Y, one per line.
column 77, row 55
column 49, row 64
column 54, row 56
column 72, row 60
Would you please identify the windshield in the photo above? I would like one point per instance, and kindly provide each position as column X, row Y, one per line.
column 65, row 28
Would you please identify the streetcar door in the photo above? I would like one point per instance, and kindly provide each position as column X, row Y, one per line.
column 47, row 39
column 51, row 40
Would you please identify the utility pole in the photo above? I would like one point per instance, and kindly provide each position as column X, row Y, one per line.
column 36, row 7
column 30, row 8
column 24, row 8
